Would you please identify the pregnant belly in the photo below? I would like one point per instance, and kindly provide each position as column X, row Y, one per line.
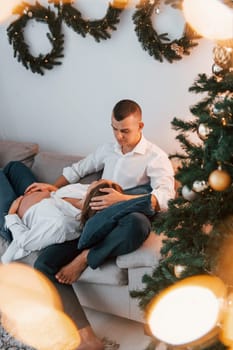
column 31, row 199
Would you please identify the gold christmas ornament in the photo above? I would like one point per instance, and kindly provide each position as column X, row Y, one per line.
column 219, row 180
column 223, row 56
column 178, row 270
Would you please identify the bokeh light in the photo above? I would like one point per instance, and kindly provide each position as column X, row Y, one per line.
column 31, row 309
column 189, row 312
column 211, row 19
column 6, row 8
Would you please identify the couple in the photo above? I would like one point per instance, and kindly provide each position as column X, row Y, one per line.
column 137, row 166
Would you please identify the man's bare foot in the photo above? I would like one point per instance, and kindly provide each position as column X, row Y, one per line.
column 89, row 340
column 72, row 271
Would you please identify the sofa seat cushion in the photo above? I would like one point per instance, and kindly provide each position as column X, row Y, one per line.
column 108, row 273
column 21, row 151
column 146, row 256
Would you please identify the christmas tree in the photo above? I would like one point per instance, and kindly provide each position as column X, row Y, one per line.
column 198, row 226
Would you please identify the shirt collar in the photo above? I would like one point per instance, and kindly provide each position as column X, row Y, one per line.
column 140, row 148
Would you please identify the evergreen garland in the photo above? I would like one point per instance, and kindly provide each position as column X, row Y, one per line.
column 99, row 29
column 158, row 45
column 15, row 33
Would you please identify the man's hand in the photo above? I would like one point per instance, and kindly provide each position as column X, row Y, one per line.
column 40, row 186
column 15, row 205
column 154, row 203
column 112, row 196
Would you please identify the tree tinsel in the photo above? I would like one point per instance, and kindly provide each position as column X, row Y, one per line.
column 194, row 229
column 99, row 29
column 159, row 45
column 15, row 33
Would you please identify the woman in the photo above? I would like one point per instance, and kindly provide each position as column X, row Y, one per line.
column 39, row 219
column 35, row 220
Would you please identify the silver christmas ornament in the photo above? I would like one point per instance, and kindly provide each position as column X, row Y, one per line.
column 217, row 70
column 218, row 112
column 188, row 194
column 199, row 185
column 203, row 131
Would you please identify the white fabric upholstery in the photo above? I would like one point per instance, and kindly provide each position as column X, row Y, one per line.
column 108, row 273
column 147, row 255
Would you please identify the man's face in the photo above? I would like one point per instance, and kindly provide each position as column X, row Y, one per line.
column 127, row 132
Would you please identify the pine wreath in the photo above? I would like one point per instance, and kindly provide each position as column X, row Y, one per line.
column 159, row 45
column 99, row 29
column 15, row 33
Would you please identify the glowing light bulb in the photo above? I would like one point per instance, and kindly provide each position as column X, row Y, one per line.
column 32, row 311
column 6, row 9
column 210, row 18
column 189, row 312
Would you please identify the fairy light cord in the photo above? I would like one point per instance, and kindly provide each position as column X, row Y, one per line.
column 159, row 45
column 15, row 32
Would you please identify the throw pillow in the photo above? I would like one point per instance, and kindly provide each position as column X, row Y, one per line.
column 102, row 223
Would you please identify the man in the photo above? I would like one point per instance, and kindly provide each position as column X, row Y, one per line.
column 139, row 167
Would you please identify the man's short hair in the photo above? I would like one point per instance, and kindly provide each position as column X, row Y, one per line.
column 124, row 108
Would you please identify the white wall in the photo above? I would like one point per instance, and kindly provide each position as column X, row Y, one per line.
column 69, row 108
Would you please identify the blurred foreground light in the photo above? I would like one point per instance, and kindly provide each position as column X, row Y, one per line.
column 188, row 313
column 31, row 310
column 6, row 9
column 226, row 335
column 212, row 19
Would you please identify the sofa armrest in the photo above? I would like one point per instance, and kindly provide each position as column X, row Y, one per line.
column 21, row 151
column 147, row 255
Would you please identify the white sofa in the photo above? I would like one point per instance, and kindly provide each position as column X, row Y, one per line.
column 108, row 287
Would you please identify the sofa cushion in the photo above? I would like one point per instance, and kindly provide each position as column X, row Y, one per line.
column 146, row 256
column 108, row 273
column 22, row 151
column 48, row 166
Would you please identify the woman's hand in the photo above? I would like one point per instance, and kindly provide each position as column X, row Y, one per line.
column 15, row 205
column 40, row 186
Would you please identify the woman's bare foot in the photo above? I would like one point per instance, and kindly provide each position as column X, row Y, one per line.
column 72, row 271
column 89, row 340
